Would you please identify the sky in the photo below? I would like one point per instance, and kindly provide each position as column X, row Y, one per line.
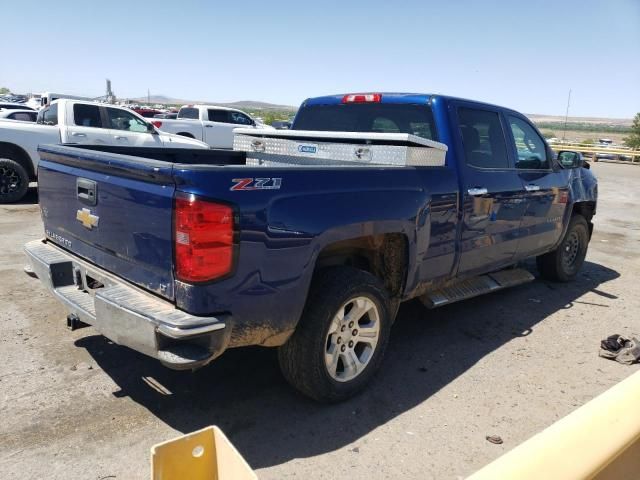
column 523, row 54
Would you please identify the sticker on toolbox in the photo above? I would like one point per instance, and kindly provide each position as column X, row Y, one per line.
column 308, row 148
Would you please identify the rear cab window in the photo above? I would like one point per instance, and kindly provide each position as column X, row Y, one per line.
column 368, row 117
column 190, row 113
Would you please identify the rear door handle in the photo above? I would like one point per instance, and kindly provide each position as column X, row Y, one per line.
column 78, row 134
column 118, row 137
column 209, row 126
column 532, row 187
column 476, row 191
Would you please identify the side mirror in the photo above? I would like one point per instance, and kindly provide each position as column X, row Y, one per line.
column 570, row 159
column 151, row 129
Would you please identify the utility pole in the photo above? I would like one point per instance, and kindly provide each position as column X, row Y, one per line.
column 148, row 97
column 110, row 97
column 566, row 117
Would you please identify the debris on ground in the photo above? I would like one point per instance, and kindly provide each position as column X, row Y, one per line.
column 494, row 439
column 621, row 349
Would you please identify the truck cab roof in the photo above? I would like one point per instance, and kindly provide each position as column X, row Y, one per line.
column 217, row 107
column 393, row 97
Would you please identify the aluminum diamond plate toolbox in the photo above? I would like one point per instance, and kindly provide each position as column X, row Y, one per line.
column 311, row 148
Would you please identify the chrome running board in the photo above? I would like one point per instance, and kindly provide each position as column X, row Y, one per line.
column 472, row 287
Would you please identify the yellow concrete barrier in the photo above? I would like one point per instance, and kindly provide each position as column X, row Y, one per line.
column 206, row 454
column 599, row 441
column 634, row 154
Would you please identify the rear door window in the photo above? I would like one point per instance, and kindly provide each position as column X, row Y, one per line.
column 87, row 115
column 218, row 116
column 483, row 138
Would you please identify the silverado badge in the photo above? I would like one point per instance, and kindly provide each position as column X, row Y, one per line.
column 87, row 219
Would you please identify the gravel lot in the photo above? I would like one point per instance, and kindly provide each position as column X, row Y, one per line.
column 74, row 405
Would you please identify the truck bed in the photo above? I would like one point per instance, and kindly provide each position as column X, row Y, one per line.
column 283, row 215
column 189, row 156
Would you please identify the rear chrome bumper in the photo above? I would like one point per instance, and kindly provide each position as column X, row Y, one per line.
column 125, row 314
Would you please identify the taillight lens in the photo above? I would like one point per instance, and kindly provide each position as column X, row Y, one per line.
column 362, row 98
column 156, row 123
column 203, row 239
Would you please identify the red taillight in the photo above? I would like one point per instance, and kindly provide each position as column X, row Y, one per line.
column 156, row 123
column 362, row 98
column 203, row 239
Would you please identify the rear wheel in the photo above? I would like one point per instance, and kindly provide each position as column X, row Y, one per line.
column 14, row 181
column 564, row 263
column 340, row 340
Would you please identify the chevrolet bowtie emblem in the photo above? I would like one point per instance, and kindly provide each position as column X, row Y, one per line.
column 87, row 219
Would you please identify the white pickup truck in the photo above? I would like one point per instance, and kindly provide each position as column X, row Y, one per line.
column 72, row 121
column 209, row 123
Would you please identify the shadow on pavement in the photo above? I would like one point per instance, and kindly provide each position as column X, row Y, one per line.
column 244, row 393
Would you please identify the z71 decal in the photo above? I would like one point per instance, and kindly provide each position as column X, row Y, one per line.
column 245, row 184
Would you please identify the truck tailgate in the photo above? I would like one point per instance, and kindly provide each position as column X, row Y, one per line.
column 112, row 210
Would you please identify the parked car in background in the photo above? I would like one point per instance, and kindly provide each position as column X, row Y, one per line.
column 34, row 102
column 25, row 115
column 13, row 98
column 168, row 115
column 72, row 121
column 146, row 112
column 14, row 106
column 281, row 124
column 209, row 123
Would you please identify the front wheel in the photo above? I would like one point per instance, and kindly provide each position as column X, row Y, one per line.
column 564, row 263
column 340, row 340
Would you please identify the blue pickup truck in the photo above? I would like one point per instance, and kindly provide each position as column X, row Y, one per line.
column 181, row 255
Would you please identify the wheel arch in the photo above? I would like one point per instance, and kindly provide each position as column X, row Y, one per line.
column 384, row 256
column 587, row 209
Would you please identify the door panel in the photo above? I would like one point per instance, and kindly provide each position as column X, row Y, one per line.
column 136, row 139
column 491, row 221
column 218, row 129
column 493, row 203
column 542, row 224
column 218, row 132
column 86, row 126
column 546, row 191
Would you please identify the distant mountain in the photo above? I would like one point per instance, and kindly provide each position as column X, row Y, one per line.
column 624, row 122
column 247, row 104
